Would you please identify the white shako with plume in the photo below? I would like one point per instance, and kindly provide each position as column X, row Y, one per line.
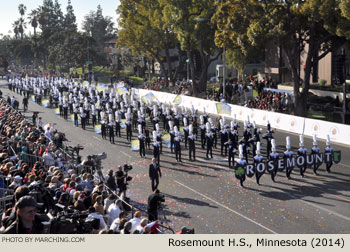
column 155, row 110
column 208, row 128
column 328, row 142
column 240, row 148
column 117, row 116
column 128, row 116
column 185, row 121
column 314, row 140
column 301, row 140
column 211, row 122
column 176, row 131
column 140, row 129
column 221, row 121
column 139, row 115
column 258, row 148
column 171, row 125
column 273, row 145
column 201, row 118
column 102, row 114
column 154, row 133
column 288, row 142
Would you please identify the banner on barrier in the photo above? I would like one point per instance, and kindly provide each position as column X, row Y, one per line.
column 101, row 87
column 45, row 103
column 97, row 129
column 122, row 124
column 177, row 101
column 135, row 145
column 150, row 97
column 122, row 90
column 166, row 140
column 223, row 109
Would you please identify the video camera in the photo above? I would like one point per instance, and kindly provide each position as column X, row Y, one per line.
column 187, row 231
column 70, row 223
column 97, row 159
column 127, row 168
column 43, row 196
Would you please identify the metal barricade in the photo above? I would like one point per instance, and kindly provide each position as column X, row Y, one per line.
column 5, row 203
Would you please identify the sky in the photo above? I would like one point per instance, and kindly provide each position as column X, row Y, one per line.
column 9, row 10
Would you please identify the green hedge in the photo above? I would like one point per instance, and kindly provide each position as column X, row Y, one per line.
column 317, row 86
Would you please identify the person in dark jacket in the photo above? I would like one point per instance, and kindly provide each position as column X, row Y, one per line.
column 152, row 207
column 27, row 222
column 111, row 181
column 154, row 174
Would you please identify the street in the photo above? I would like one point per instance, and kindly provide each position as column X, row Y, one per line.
column 206, row 195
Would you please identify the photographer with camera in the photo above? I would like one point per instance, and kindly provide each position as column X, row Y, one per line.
column 89, row 165
column 154, row 201
column 122, row 177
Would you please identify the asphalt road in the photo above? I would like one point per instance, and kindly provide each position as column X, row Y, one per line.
column 206, row 195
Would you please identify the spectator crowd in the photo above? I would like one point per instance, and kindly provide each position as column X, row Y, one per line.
column 37, row 177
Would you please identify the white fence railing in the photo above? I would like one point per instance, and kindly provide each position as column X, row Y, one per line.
column 339, row 133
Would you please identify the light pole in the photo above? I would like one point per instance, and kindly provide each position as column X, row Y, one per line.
column 188, row 69
column 223, row 73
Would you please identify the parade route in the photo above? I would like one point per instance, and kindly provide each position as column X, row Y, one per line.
column 206, row 195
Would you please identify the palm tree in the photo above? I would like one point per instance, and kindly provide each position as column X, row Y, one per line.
column 22, row 25
column 33, row 20
column 22, row 9
column 15, row 26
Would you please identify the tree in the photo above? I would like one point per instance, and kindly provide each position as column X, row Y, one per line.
column 345, row 8
column 21, row 23
column 70, row 19
column 100, row 29
column 33, row 20
column 21, row 50
column 191, row 22
column 22, row 9
column 15, row 26
column 311, row 27
column 238, row 60
column 145, row 32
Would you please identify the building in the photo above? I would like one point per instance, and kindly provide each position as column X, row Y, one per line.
column 112, row 51
column 334, row 68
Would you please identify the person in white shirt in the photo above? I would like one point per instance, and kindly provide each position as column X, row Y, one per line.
column 16, row 182
column 142, row 225
column 114, row 211
column 48, row 133
column 135, row 221
column 115, row 224
column 48, row 159
column 94, row 215
column 109, row 201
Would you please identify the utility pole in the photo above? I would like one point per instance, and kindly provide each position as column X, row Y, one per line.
column 223, row 75
column 188, row 69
